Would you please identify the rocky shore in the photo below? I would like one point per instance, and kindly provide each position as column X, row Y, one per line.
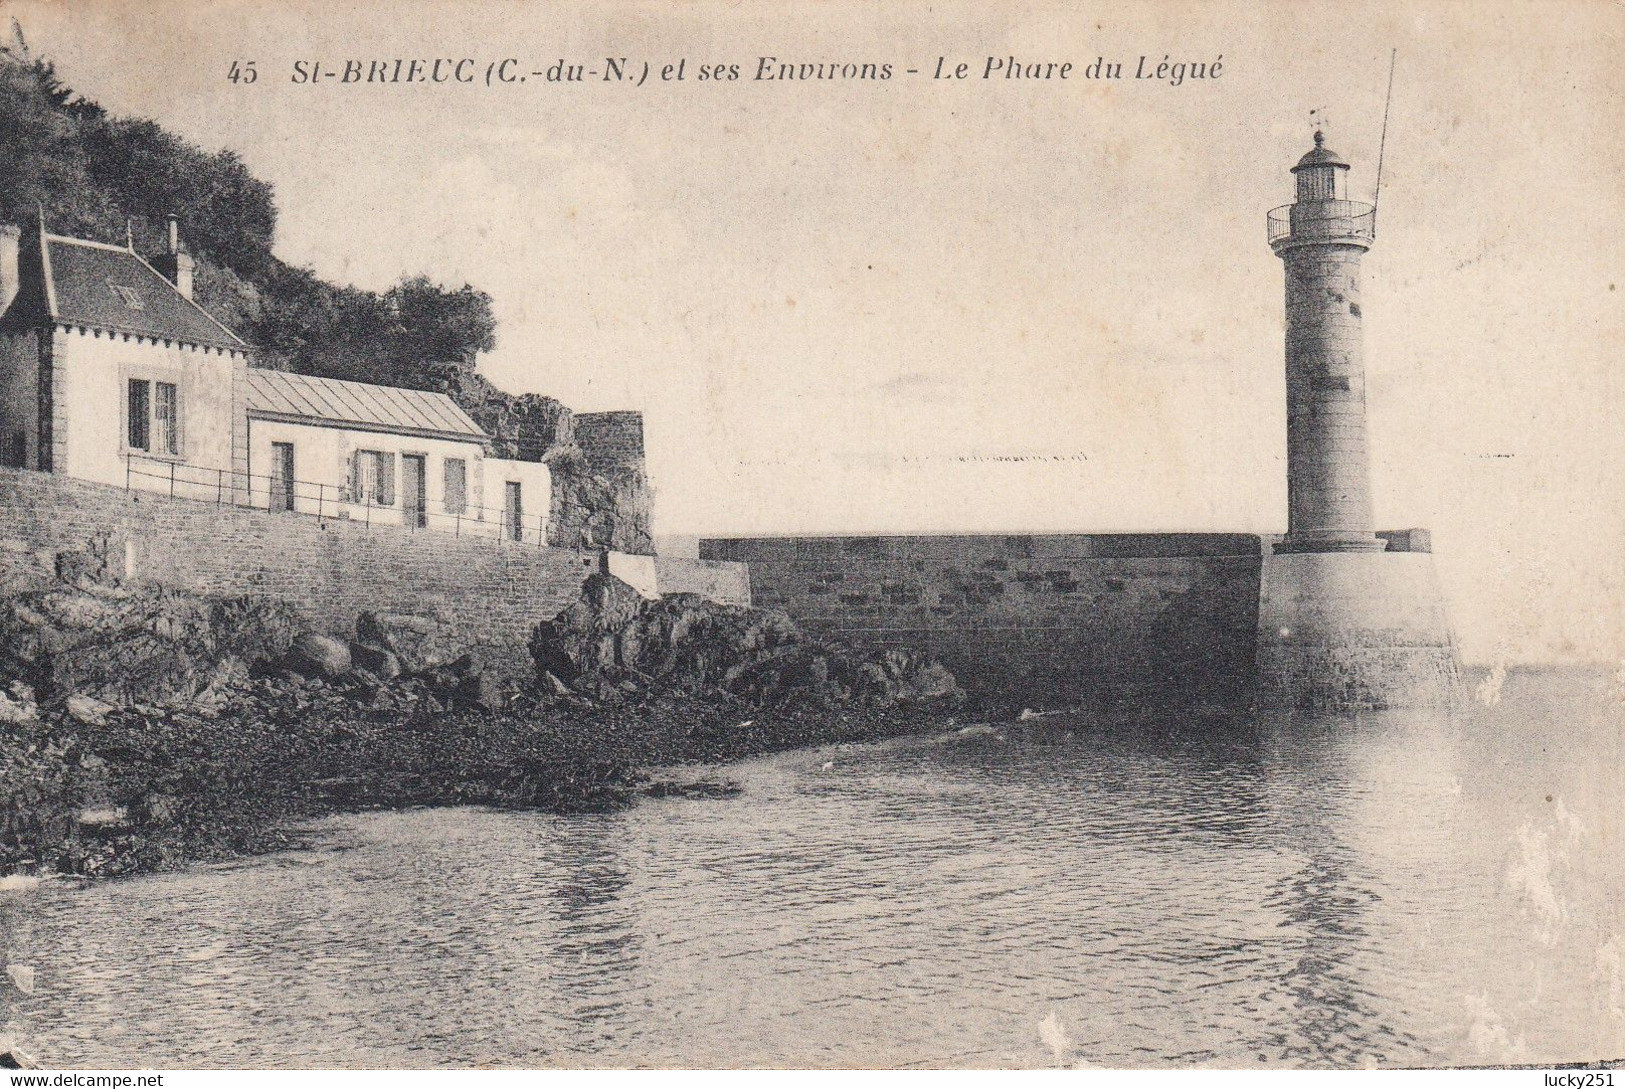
column 143, row 728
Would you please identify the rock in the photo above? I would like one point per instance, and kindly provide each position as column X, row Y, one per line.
column 14, row 1058
column 146, row 645
column 416, row 641
column 17, row 712
column 483, row 691
column 22, row 977
column 931, row 680
column 102, row 815
column 90, row 712
column 157, row 809
column 100, row 561
column 375, row 660
column 313, row 655
column 612, row 643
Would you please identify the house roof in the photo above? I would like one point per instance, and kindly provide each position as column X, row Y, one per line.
column 300, row 398
column 111, row 287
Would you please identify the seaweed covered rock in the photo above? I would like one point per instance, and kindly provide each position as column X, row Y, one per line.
column 312, row 654
column 417, row 642
column 123, row 646
column 611, row 641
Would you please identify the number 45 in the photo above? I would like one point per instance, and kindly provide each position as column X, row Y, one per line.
column 242, row 73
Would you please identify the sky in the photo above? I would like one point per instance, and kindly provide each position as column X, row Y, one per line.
column 922, row 305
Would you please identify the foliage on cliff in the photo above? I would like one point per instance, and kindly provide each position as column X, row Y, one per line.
column 93, row 175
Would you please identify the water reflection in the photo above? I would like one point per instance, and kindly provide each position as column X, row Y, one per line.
column 1385, row 889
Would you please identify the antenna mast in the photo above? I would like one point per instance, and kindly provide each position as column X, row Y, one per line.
column 1382, row 144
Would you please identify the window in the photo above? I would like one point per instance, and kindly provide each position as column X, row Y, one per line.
column 129, row 296
column 16, row 450
column 456, row 486
column 153, row 417
column 166, row 419
column 372, row 478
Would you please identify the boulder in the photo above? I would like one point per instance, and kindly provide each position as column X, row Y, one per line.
column 148, row 645
column 484, row 691
column 88, row 711
column 99, row 561
column 375, row 660
column 417, row 642
column 313, row 655
column 18, row 710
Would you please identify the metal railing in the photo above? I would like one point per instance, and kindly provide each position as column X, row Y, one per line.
column 276, row 494
column 1322, row 221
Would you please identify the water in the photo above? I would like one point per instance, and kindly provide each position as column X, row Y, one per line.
column 1387, row 889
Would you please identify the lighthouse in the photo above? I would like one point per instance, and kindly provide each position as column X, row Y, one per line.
column 1348, row 619
column 1320, row 239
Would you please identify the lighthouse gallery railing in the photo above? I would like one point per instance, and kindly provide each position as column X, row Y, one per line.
column 1322, row 220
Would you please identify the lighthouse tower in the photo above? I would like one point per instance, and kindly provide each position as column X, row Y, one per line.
column 1320, row 239
column 1348, row 619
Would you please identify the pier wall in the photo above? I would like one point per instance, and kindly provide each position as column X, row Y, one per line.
column 1042, row 620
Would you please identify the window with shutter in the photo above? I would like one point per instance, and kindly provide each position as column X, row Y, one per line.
column 386, row 480
column 456, row 486
column 138, row 413
column 372, row 478
column 354, row 492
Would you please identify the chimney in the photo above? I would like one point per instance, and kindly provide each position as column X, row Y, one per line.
column 175, row 264
column 10, row 278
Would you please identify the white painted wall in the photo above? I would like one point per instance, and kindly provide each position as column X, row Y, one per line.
column 322, row 458
column 637, row 572
column 535, row 490
column 94, row 369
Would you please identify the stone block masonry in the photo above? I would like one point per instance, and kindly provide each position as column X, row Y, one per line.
column 611, row 440
column 727, row 583
column 489, row 594
column 1041, row 620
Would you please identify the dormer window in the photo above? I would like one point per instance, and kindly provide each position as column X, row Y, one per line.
column 129, row 296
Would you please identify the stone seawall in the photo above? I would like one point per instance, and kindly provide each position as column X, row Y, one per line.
column 488, row 593
column 1043, row 620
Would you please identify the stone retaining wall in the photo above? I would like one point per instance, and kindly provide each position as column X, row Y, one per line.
column 489, row 593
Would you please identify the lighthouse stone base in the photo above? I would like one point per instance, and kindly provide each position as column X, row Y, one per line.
column 1350, row 631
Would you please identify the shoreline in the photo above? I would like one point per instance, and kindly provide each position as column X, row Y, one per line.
column 144, row 791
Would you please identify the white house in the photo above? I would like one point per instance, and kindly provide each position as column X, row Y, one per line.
column 109, row 371
column 384, row 455
column 102, row 356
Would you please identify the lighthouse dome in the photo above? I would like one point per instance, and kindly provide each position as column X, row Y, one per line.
column 1320, row 155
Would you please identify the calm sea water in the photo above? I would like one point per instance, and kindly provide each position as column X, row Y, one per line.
column 1382, row 889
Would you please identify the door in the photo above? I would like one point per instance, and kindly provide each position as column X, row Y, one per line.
column 414, row 496
column 281, row 476
column 513, row 511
